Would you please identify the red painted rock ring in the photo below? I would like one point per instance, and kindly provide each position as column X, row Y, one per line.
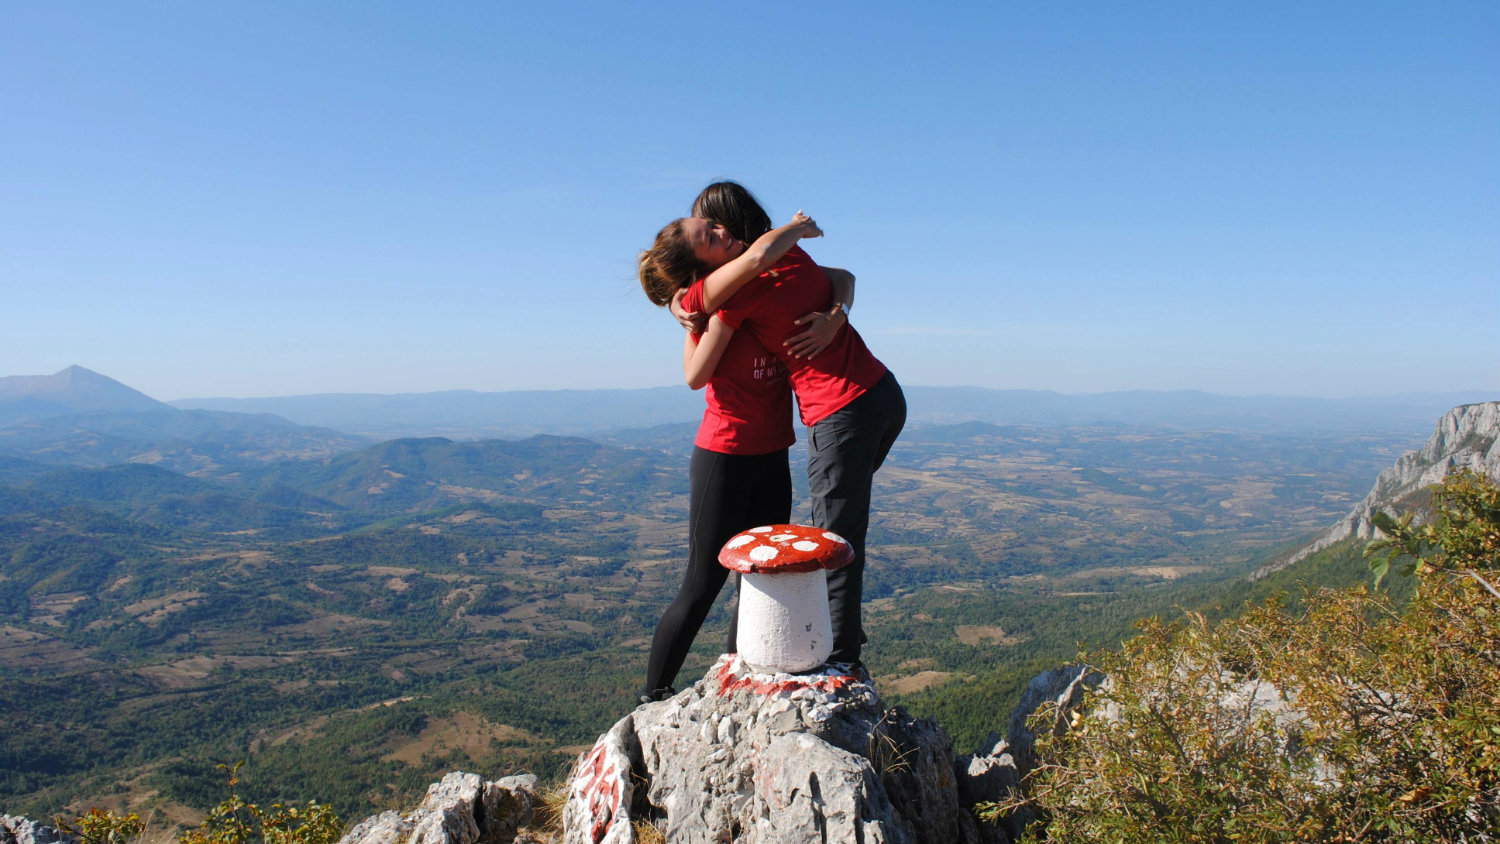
column 772, row 549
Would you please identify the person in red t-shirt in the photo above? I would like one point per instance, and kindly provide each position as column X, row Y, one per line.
column 739, row 476
column 851, row 403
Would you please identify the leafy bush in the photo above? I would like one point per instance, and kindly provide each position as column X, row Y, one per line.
column 101, row 826
column 1351, row 719
column 236, row 822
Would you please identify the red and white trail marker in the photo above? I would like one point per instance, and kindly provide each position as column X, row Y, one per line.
column 784, row 624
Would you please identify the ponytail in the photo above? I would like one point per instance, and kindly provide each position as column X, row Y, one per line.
column 669, row 265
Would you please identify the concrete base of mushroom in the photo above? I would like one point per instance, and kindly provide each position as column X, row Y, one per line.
column 784, row 623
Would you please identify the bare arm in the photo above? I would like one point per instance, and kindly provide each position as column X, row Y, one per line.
column 700, row 359
column 758, row 257
column 843, row 285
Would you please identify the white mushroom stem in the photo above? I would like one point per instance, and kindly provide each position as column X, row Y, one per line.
column 784, row 623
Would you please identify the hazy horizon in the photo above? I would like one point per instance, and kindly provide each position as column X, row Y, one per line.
column 1477, row 394
column 1494, row 395
column 281, row 199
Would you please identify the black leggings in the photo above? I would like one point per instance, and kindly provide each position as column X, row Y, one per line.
column 730, row 493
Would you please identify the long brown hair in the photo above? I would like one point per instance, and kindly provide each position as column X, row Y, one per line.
column 669, row 265
column 733, row 206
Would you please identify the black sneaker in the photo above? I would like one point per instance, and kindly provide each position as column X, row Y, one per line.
column 657, row 695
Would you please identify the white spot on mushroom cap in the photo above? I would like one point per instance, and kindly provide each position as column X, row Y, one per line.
column 739, row 540
column 782, row 537
column 805, row 545
column 761, row 553
column 835, row 537
column 766, row 529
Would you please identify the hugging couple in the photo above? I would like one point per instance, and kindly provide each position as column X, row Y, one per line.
column 765, row 322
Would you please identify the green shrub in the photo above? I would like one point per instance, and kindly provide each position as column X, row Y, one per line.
column 102, row 826
column 1375, row 721
column 234, row 821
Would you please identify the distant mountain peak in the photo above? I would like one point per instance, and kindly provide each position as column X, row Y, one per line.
column 69, row 391
column 1467, row 437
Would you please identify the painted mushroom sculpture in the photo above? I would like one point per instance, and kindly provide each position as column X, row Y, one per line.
column 783, row 616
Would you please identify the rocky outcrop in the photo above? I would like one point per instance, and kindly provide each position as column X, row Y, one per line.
column 1467, row 437
column 784, row 758
column 19, row 830
column 461, row 809
column 997, row 770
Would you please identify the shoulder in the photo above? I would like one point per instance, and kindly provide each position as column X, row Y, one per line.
column 796, row 256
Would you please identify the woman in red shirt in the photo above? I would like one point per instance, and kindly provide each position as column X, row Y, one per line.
column 738, row 474
column 851, row 404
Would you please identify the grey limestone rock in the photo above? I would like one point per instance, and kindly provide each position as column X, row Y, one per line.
column 15, row 829
column 384, row 828
column 460, row 809
column 602, row 789
column 997, row 770
column 756, row 759
column 1064, row 686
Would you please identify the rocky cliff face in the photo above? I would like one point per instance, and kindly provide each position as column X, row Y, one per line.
column 1468, row 436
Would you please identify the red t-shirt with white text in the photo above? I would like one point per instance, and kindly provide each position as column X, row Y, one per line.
column 768, row 306
column 749, row 404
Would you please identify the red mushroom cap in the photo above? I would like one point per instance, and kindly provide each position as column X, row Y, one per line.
column 785, row 548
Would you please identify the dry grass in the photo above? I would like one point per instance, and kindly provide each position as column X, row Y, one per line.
column 974, row 634
column 547, row 816
column 916, row 682
column 465, row 731
column 647, row 833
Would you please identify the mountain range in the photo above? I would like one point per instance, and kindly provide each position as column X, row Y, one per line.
column 77, row 417
column 467, row 415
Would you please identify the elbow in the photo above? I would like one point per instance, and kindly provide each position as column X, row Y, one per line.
column 696, row 381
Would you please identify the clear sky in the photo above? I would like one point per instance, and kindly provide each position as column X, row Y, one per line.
column 254, row 199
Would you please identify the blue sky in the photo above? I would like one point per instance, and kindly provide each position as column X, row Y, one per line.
column 214, row 199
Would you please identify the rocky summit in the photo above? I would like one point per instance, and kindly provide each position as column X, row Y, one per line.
column 782, row 758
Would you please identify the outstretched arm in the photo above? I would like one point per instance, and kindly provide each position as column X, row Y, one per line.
column 700, row 359
column 758, row 257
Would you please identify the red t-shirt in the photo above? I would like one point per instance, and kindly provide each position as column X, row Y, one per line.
column 768, row 306
column 749, row 405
